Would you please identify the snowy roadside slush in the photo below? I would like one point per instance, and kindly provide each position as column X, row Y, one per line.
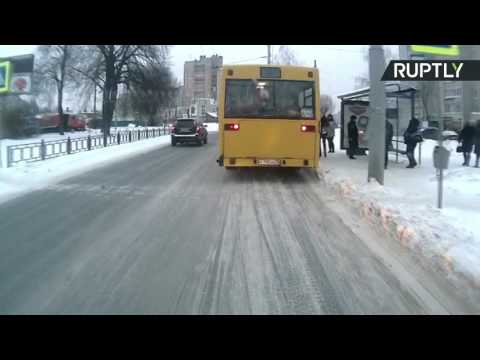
column 405, row 208
column 16, row 181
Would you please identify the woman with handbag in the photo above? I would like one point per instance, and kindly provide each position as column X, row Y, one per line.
column 323, row 134
column 467, row 136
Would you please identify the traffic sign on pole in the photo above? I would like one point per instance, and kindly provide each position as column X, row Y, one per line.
column 5, row 76
column 446, row 50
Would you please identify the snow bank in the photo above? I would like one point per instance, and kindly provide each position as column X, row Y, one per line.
column 27, row 177
column 211, row 127
column 405, row 208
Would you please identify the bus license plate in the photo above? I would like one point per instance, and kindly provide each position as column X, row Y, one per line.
column 269, row 162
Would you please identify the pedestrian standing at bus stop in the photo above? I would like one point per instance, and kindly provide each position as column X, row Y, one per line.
column 331, row 133
column 352, row 137
column 477, row 144
column 388, row 139
column 323, row 134
column 467, row 138
column 412, row 138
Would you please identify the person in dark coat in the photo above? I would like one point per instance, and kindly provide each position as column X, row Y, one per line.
column 323, row 134
column 411, row 139
column 331, row 133
column 388, row 139
column 352, row 137
column 466, row 137
column 477, row 144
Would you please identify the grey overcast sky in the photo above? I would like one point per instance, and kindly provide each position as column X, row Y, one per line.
column 338, row 64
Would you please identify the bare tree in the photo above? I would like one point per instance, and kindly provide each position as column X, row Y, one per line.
column 425, row 91
column 363, row 80
column 108, row 66
column 54, row 69
column 151, row 88
column 285, row 56
column 327, row 105
column 124, row 105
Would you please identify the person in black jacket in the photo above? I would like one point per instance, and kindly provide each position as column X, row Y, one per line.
column 388, row 139
column 466, row 137
column 352, row 137
column 477, row 144
column 411, row 139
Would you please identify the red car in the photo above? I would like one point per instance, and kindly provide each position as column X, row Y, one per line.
column 52, row 121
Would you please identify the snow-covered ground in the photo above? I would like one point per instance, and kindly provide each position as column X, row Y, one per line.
column 52, row 136
column 32, row 176
column 211, row 127
column 406, row 205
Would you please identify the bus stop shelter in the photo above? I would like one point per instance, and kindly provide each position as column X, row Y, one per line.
column 400, row 108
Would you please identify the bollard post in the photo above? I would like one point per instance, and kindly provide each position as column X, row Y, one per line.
column 420, row 154
column 89, row 142
column 69, row 145
column 118, row 138
column 10, row 156
column 42, row 149
column 129, row 136
column 147, row 133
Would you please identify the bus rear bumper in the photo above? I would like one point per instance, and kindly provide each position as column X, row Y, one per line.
column 250, row 162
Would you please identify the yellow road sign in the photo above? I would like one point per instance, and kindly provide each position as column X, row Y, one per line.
column 447, row 50
column 4, row 76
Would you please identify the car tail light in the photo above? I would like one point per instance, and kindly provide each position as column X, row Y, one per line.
column 307, row 128
column 174, row 128
column 232, row 127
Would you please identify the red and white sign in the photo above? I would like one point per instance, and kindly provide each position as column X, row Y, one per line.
column 21, row 83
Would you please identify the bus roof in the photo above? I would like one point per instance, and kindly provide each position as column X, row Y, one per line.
column 287, row 72
column 268, row 65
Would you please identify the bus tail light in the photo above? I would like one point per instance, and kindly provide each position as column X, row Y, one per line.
column 232, row 127
column 307, row 128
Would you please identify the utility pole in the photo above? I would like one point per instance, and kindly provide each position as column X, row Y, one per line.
column 468, row 53
column 376, row 126
column 3, row 107
column 269, row 54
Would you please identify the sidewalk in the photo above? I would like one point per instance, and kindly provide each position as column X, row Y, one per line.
column 405, row 207
column 15, row 181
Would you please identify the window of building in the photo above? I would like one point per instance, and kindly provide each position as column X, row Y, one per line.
column 453, row 91
column 199, row 68
column 452, row 105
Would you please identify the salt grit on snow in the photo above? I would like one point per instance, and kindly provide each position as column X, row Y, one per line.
column 406, row 206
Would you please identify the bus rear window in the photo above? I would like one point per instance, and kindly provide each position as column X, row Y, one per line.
column 281, row 99
column 185, row 123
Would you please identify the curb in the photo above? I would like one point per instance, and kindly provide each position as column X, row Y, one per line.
column 396, row 228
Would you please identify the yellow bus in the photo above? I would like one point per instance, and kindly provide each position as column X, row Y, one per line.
column 268, row 116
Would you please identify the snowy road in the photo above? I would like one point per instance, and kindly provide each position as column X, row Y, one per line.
column 169, row 232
